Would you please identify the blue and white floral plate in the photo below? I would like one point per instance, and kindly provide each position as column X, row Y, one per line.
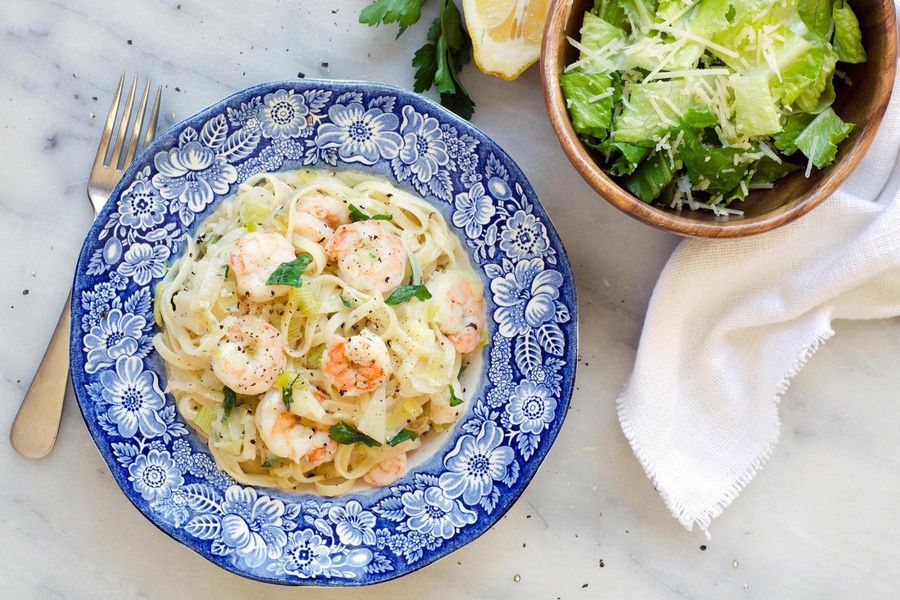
column 516, row 408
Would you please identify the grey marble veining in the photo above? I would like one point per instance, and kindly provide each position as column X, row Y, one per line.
column 821, row 521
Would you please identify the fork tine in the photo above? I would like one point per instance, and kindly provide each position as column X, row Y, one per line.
column 154, row 115
column 123, row 128
column 136, row 131
column 108, row 127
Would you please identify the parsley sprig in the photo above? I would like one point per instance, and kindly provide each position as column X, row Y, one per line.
column 446, row 51
column 454, row 399
column 405, row 293
column 228, row 402
column 287, row 392
column 288, row 273
column 402, row 12
column 402, row 436
column 343, row 433
column 357, row 215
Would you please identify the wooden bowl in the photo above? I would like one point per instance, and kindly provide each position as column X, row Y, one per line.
column 863, row 104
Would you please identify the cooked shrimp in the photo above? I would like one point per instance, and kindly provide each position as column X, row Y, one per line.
column 357, row 364
column 387, row 471
column 460, row 302
column 369, row 256
column 312, row 227
column 284, row 435
column 250, row 356
column 328, row 208
column 253, row 258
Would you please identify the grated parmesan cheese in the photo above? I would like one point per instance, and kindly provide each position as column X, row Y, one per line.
column 678, row 139
column 659, row 112
column 600, row 57
column 686, row 73
column 605, row 94
column 764, row 148
column 671, row 105
column 680, row 13
column 809, row 163
column 680, row 33
column 843, row 76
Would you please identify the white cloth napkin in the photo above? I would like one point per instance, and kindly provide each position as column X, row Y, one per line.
column 732, row 321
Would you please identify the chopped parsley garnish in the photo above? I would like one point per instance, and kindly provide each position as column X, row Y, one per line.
column 289, row 273
column 447, row 49
column 347, row 434
column 287, row 392
column 357, row 215
column 227, row 270
column 454, row 399
column 403, row 436
column 346, row 302
column 405, row 293
column 229, row 401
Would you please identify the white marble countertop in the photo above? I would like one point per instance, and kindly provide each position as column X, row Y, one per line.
column 821, row 521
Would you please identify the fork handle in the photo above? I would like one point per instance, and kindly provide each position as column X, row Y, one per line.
column 34, row 431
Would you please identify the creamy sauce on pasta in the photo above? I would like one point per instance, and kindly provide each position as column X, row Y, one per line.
column 415, row 391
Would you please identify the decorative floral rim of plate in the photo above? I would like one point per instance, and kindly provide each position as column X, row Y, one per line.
column 513, row 416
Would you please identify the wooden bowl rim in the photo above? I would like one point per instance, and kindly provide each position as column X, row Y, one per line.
column 551, row 48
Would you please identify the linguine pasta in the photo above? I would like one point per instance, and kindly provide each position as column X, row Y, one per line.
column 420, row 394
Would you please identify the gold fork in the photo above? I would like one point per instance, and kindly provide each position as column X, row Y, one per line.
column 36, row 426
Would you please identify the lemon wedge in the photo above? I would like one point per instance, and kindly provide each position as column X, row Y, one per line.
column 506, row 34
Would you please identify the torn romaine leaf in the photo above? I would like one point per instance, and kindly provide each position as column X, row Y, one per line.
column 799, row 65
column 793, row 126
column 597, row 38
column 809, row 98
column 640, row 12
column 755, row 111
column 630, row 158
column 847, row 36
column 820, row 138
column 610, row 11
column 653, row 108
column 649, row 180
column 708, row 18
column 699, row 118
column 767, row 170
column 712, row 167
column 817, row 15
column 590, row 100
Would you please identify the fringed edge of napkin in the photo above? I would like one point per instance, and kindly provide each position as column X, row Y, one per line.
column 704, row 520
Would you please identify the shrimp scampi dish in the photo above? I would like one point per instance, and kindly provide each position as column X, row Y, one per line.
column 315, row 330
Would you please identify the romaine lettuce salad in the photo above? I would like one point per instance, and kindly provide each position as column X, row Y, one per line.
column 696, row 102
